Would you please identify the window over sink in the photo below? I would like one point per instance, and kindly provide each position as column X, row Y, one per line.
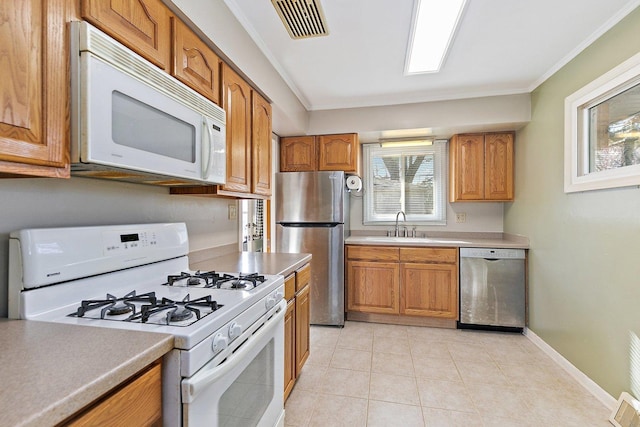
column 411, row 179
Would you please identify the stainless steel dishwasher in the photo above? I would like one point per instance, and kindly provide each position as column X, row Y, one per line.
column 492, row 289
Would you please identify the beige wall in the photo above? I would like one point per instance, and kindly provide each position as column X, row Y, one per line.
column 32, row 203
column 584, row 277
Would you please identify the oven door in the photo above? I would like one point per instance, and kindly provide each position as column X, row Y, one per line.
column 244, row 389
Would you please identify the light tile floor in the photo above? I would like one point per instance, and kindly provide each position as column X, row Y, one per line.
column 386, row 375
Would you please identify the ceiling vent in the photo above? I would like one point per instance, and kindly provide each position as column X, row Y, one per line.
column 302, row 18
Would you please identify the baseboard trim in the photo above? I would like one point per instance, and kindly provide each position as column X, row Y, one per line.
column 593, row 388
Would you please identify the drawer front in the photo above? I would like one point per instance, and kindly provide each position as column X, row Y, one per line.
column 303, row 276
column 289, row 287
column 439, row 255
column 373, row 253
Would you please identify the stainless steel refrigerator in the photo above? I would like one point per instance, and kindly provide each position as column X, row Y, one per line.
column 312, row 216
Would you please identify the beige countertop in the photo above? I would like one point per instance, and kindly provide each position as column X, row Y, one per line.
column 50, row 371
column 460, row 240
column 254, row 262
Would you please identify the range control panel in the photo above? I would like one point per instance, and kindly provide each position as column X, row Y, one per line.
column 115, row 242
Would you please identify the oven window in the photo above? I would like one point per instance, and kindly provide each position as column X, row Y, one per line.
column 247, row 399
column 138, row 125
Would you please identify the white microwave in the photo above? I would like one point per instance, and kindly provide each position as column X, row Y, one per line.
column 131, row 121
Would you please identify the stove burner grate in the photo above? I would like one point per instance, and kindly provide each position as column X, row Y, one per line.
column 177, row 311
column 212, row 279
column 114, row 306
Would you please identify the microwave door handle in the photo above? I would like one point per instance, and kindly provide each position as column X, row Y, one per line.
column 207, row 149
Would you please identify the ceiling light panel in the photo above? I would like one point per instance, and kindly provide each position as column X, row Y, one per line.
column 302, row 18
column 433, row 29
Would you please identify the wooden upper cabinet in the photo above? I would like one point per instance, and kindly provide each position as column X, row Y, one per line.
column 34, row 89
column 319, row 153
column 498, row 182
column 467, row 167
column 261, row 145
column 237, row 104
column 338, row 152
column 298, row 154
column 141, row 25
column 481, row 167
column 193, row 62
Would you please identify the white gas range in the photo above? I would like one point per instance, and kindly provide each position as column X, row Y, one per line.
column 227, row 326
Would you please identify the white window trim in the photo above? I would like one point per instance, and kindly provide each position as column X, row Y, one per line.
column 576, row 130
column 440, row 196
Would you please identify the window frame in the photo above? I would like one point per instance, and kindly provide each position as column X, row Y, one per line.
column 576, row 125
column 440, row 150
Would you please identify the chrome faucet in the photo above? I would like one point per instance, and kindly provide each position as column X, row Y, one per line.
column 404, row 219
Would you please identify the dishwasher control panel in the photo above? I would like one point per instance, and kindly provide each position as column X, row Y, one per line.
column 491, row 253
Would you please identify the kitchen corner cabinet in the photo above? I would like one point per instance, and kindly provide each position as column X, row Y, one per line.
column 193, row 62
column 337, row 152
column 296, row 325
column 248, row 129
column 34, row 127
column 138, row 402
column 481, row 167
column 400, row 284
column 141, row 25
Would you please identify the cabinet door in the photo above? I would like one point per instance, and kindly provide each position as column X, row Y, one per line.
column 338, row 152
column 289, row 348
column 429, row 290
column 298, row 154
column 499, row 152
column 194, row 63
column 303, row 319
column 467, row 167
column 372, row 287
column 141, row 25
column 303, row 277
column 237, row 104
column 261, row 145
column 137, row 403
column 34, row 89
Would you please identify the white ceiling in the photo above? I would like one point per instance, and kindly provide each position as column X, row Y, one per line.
column 501, row 47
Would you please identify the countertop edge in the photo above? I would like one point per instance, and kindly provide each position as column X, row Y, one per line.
column 92, row 392
column 507, row 242
column 279, row 263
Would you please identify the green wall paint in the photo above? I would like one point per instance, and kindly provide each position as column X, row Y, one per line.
column 584, row 265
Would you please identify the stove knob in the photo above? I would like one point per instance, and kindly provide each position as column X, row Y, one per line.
column 234, row 331
column 271, row 301
column 219, row 343
column 278, row 295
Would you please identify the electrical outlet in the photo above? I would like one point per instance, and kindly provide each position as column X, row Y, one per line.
column 461, row 217
column 233, row 212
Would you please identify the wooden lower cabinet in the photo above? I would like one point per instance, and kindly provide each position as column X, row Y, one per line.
column 138, row 402
column 402, row 284
column 302, row 327
column 373, row 287
column 429, row 290
column 289, row 348
column 296, row 326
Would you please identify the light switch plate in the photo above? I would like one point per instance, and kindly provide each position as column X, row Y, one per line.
column 461, row 217
column 233, row 212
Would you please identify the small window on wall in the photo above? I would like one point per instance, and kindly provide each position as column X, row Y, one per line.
column 411, row 179
column 602, row 131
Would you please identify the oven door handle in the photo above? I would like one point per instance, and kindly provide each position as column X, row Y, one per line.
column 191, row 387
